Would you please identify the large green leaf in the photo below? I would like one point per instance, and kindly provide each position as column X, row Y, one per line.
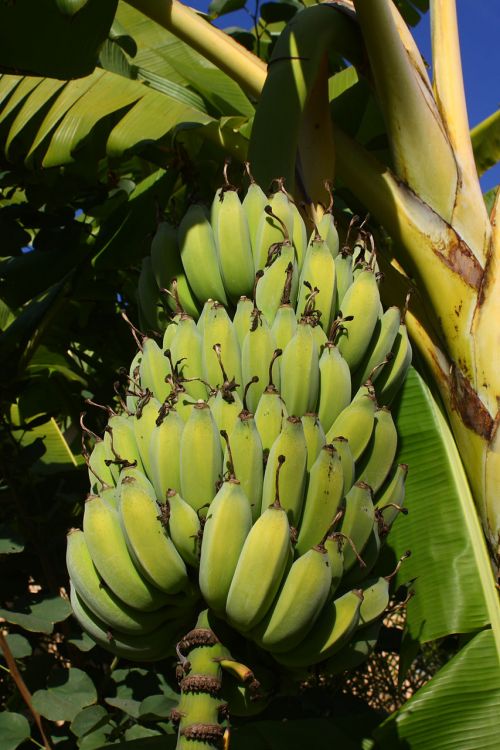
column 458, row 709
column 486, row 142
column 455, row 590
column 56, row 454
column 57, row 38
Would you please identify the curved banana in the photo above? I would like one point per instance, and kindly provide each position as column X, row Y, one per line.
column 357, row 522
column 253, row 203
column 164, row 452
column 184, row 527
column 319, row 273
column 315, row 437
column 233, row 242
column 256, row 357
column 274, row 227
column 383, row 338
column 150, row 546
column 324, row 494
column 344, row 276
column 243, row 318
column 390, row 499
column 334, row 385
column 225, row 406
column 100, row 474
column 393, row 374
column 120, row 445
column 280, row 272
column 248, row 459
column 356, row 651
column 200, row 457
column 185, row 349
column 270, row 416
column 355, row 423
column 144, row 422
column 154, row 369
column 284, row 325
column 300, row 372
column 199, row 255
column 341, row 445
column 220, row 345
column 361, row 302
column 227, row 524
column 376, row 461
column 168, row 270
column 110, row 555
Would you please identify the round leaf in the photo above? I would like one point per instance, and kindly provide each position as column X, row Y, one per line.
column 19, row 645
column 89, row 719
column 14, row 729
column 68, row 691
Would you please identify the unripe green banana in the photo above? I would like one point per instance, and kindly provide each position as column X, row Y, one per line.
column 164, row 453
column 133, row 389
column 361, row 302
column 357, row 522
column 391, row 498
column 298, row 604
column 110, row 554
column 355, row 423
column 247, row 453
column 185, row 349
column 392, row 376
column 324, row 494
column 225, row 406
column 334, row 546
column 357, row 574
column 328, row 231
column 319, row 273
column 152, row 646
column 344, row 276
column 168, row 270
column 111, row 495
column 220, row 344
column 376, row 461
column 120, row 443
column 99, row 472
column 315, row 437
column 200, row 457
column 151, row 313
column 284, row 325
column 334, row 385
column 154, row 370
column 144, row 422
column 227, row 525
column 299, row 235
column 270, row 416
column 290, row 443
column 356, row 651
column 256, row 358
column 170, row 331
column 234, row 249
column 270, row 230
column 99, row 598
column 300, row 372
column 184, row 527
column 243, row 318
column 384, row 335
column 330, row 633
column 199, row 255
column 150, row 546
column 253, row 204
column 280, row 270
column 341, row 445
column 260, row 567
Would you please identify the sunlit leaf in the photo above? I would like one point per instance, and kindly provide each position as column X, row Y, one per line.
column 486, row 142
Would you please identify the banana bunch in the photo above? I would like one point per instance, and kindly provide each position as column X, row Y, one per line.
column 251, row 466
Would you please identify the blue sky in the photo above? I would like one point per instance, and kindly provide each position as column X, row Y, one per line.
column 479, row 25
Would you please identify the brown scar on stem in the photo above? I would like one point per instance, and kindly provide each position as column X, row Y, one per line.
column 467, row 403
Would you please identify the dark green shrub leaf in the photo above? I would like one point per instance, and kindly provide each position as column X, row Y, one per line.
column 89, row 719
column 14, row 729
column 19, row 645
column 11, row 540
column 37, row 616
column 68, row 691
column 221, row 7
column 157, row 707
column 274, row 12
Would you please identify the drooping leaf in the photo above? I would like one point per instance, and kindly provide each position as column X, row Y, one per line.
column 56, row 38
column 57, row 454
column 486, row 142
column 458, row 709
column 11, row 540
column 455, row 590
column 14, row 729
column 68, row 691
column 37, row 615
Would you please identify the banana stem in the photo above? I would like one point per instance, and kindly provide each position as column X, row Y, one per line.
column 230, row 56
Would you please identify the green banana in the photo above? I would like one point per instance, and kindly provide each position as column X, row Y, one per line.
column 334, row 385
column 390, row 499
column 100, row 474
column 94, row 592
column 298, row 604
column 253, row 204
column 220, row 344
column 280, row 271
column 152, row 646
column 290, row 443
column 133, row 389
column 260, row 567
column 227, row 525
column 154, row 370
column 371, row 553
column 324, row 494
column 233, row 242
column 184, row 527
column 355, row 423
column 168, row 270
column 200, row 457
column 331, row 631
column 185, row 349
column 383, row 338
column 393, row 374
column 151, row 548
column 120, row 444
column 256, row 357
column 243, row 318
column 344, row 276
column 199, row 255
column 300, row 372
column 225, row 406
column 144, row 422
column 164, row 452
column 334, row 545
column 299, row 234
column 319, row 273
column 110, row 554
column 341, row 445
column 315, row 437
column 357, row 522
column 270, row 416
column 355, row 652
column 376, row 461
column 361, row 303
column 284, row 325
column 274, row 227
column 248, row 458
column 328, row 231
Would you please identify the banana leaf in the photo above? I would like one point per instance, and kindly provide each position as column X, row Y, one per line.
column 454, row 587
column 486, row 142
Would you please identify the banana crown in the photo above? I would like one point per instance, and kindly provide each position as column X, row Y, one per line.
column 250, row 468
